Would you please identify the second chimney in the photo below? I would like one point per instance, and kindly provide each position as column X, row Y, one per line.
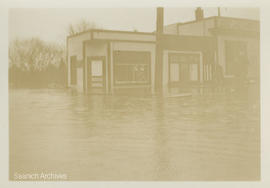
column 199, row 14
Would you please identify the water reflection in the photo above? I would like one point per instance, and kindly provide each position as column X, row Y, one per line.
column 212, row 135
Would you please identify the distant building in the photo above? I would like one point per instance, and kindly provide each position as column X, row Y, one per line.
column 105, row 61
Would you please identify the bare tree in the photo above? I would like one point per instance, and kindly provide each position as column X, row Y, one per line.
column 34, row 54
column 81, row 26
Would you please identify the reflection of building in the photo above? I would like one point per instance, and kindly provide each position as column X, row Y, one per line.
column 178, row 54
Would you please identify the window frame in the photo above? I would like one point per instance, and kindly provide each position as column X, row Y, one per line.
column 171, row 55
column 147, row 63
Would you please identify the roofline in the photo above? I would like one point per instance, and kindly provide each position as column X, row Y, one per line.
column 214, row 17
column 189, row 36
column 153, row 33
column 118, row 40
column 107, row 30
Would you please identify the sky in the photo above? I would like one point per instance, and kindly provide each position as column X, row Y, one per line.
column 51, row 24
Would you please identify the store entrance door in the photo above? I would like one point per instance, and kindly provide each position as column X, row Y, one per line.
column 96, row 75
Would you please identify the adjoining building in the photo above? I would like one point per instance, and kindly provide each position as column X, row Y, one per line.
column 237, row 41
column 106, row 61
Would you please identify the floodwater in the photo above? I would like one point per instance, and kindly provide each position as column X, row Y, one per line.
column 213, row 135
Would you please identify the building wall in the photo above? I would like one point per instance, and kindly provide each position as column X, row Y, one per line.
column 253, row 52
column 197, row 28
column 75, row 48
column 111, row 35
column 171, row 29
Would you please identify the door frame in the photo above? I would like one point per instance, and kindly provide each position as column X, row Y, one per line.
column 89, row 74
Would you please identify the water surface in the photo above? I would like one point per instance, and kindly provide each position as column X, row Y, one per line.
column 211, row 136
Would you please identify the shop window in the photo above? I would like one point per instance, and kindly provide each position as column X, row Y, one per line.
column 131, row 67
column 184, row 67
column 174, row 69
column 194, row 72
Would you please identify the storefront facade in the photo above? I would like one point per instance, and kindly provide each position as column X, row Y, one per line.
column 102, row 61
column 186, row 54
column 110, row 61
column 187, row 61
column 182, row 54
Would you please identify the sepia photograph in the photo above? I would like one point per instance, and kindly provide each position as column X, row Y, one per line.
column 134, row 94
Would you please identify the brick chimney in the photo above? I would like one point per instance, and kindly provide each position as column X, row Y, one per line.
column 159, row 25
column 199, row 14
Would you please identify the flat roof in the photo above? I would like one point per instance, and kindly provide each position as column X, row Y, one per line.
column 153, row 33
column 112, row 31
column 216, row 17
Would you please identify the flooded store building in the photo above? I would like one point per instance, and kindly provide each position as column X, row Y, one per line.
column 176, row 55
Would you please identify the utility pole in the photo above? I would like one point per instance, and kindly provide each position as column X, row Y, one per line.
column 159, row 50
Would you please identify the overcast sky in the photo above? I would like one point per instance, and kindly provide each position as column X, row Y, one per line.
column 51, row 24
